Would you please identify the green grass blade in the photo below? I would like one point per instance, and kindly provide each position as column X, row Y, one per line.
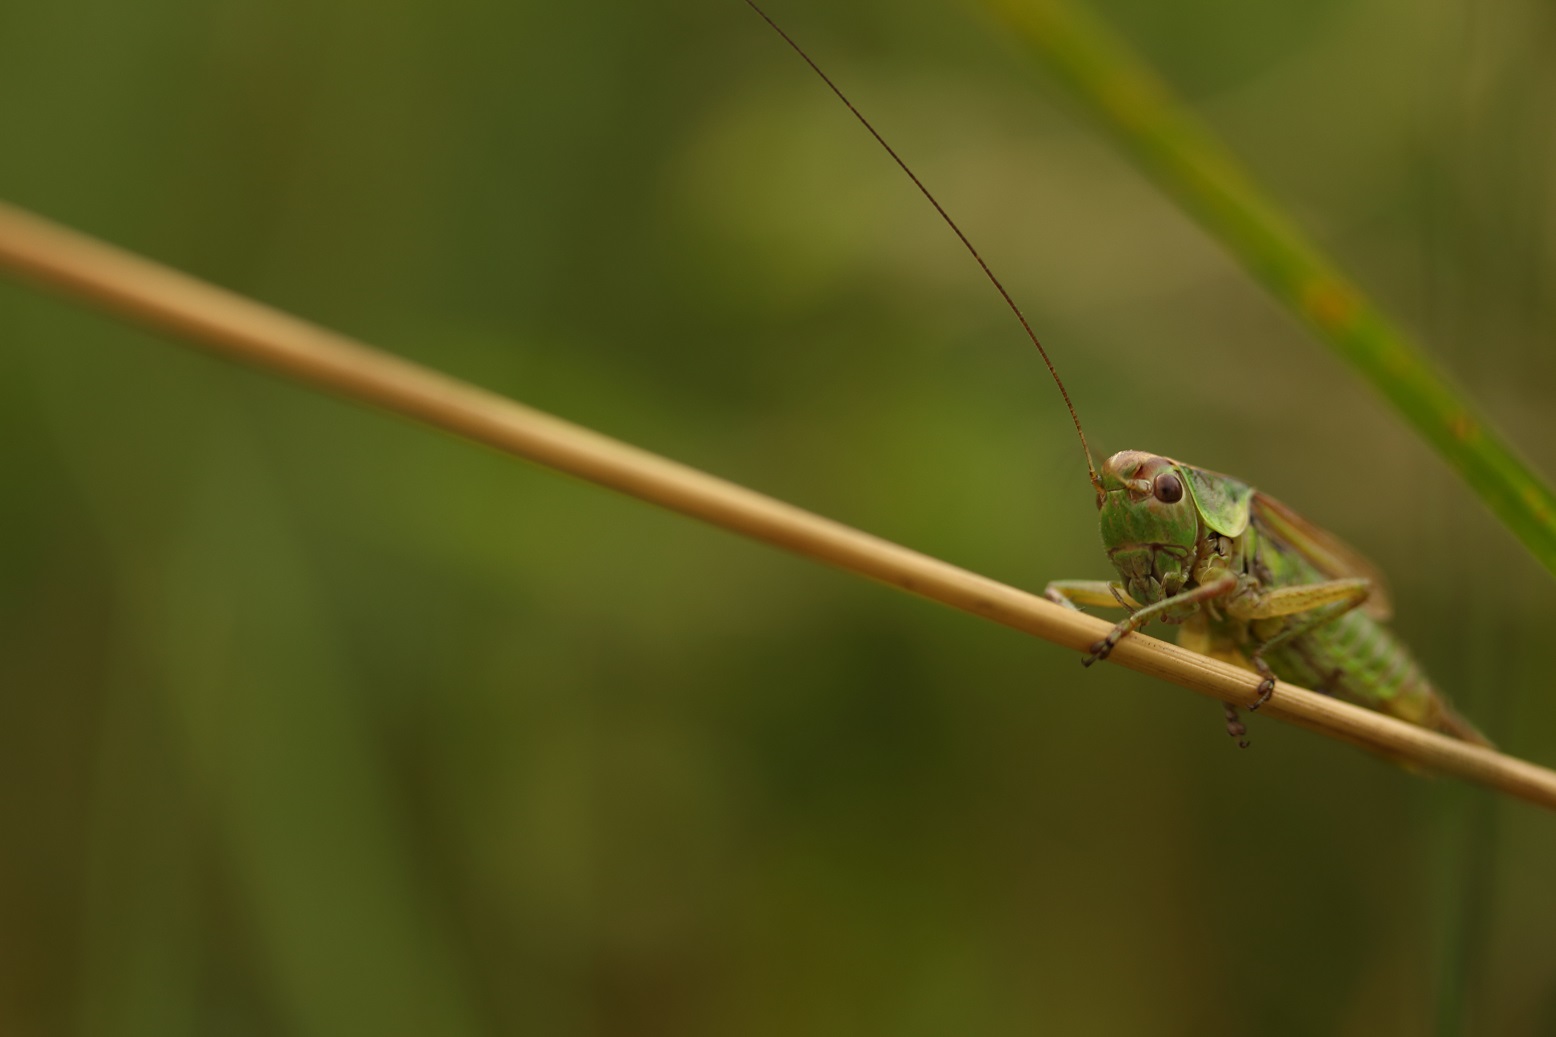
column 1197, row 170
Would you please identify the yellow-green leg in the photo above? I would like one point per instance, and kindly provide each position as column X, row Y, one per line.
column 1327, row 601
column 1141, row 616
column 1073, row 594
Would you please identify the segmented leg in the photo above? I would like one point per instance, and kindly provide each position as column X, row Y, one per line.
column 1234, row 726
column 1327, row 601
column 1140, row 617
column 1266, row 686
column 1072, row 594
column 1304, row 597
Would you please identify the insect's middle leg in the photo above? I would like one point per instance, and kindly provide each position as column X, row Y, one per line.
column 1327, row 602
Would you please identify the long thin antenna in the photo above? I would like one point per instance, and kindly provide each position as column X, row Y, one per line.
column 995, row 281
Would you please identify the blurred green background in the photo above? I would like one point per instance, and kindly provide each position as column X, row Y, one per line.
column 319, row 723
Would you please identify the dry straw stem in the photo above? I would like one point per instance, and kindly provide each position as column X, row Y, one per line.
column 1203, row 176
column 241, row 329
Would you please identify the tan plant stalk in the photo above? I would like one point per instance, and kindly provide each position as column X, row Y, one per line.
column 242, row 329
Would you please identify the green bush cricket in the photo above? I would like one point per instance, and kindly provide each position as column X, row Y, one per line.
column 1248, row 580
column 1252, row 583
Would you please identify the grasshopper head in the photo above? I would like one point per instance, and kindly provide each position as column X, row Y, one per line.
column 1150, row 524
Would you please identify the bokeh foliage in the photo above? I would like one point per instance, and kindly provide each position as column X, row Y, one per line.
column 320, row 723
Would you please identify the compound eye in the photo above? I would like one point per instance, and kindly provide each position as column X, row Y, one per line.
column 1168, row 488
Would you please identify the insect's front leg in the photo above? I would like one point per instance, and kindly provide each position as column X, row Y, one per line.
column 1072, row 594
column 1327, row 602
column 1140, row 617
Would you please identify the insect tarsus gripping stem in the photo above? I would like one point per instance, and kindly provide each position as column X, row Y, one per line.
column 1234, row 725
column 1091, row 469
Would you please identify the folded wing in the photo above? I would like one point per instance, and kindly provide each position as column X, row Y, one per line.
column 1322, row 549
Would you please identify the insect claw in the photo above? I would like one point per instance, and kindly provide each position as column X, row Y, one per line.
column 1234, row 726
column 1266, row 686
column 1099, row 650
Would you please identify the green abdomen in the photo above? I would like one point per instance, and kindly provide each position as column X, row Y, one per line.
column 1357, row 658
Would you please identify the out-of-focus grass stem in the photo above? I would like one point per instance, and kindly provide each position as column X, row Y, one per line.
column 1199, row 172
